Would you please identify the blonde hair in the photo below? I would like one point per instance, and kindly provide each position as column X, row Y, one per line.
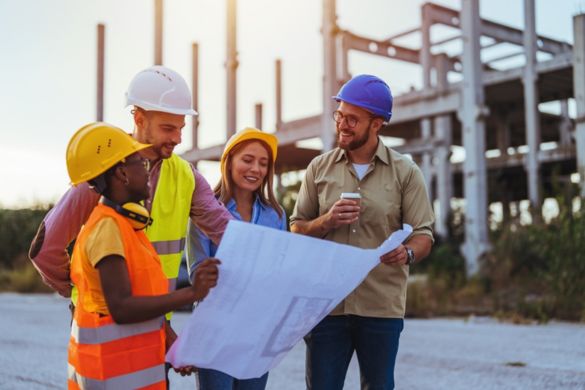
column 224, row 190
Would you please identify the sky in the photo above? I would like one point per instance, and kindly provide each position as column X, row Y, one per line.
column 48, row 67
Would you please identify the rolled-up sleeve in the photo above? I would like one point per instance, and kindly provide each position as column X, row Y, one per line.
column 48, row 251
column 417, row 209
column 208, row 213
column 307, row 204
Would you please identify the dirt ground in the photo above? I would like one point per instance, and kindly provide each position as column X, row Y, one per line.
column 477, row 353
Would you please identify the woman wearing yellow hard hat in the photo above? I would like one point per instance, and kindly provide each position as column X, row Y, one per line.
column 245, row 187
column 118, row 329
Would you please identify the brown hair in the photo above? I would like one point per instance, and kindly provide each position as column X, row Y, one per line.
column 224, row 188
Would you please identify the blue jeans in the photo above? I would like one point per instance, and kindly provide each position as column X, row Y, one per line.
column 216, row 380
column 330, row 346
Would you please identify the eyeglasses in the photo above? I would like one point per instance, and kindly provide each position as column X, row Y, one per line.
column 144, row 161
column 350, row 120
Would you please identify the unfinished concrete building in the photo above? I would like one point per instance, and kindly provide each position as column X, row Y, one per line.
column 511, row 148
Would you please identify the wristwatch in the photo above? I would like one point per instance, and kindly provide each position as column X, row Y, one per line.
column 409, row 255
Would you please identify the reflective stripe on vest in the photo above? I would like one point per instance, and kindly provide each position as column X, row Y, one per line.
column 112, row 332
column 171, row 207
column 169, row 247
column 134, row 380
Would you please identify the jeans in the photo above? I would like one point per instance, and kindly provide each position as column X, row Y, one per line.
column 330, row 346
column 216, row 380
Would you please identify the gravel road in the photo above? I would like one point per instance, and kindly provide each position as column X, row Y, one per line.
column 475, row 353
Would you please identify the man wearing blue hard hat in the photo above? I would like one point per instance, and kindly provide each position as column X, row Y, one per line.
column 358, row 194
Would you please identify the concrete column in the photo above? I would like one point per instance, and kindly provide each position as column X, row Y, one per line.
column 472, row 116
column 566, row 127
column 426, row 129
column 579, row 91
column 158, row 32
column 195, row 92
column 443, row 132
column 503, row 143
column 531, row 114
column 503, row 133
column 258, row 116
column 329, row 29
column 278, row 84
column 231, row 68
column 343, row 74
column 426, row 124
column 101, row 44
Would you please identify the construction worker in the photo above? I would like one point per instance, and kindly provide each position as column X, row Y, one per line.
column 160, row 99
column 392, row 192
column 245, row 187
column 118, row 329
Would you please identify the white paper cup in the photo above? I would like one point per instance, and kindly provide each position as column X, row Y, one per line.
column 352, row 195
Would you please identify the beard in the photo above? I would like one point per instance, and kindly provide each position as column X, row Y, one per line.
column 356, row 143
column 162, row 151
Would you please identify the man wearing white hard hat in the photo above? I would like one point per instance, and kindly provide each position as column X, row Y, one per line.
column 160, row 99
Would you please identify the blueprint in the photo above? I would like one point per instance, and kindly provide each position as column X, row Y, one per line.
column 273, row 288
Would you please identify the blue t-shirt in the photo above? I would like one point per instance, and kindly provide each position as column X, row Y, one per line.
column 262, row 214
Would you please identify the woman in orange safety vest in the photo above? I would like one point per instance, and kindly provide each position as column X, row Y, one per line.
column 118, row 331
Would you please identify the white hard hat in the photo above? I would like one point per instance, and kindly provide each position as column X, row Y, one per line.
column 159, row 88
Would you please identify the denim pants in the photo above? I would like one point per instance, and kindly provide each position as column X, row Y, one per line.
column 209, row 379
column 330, row 346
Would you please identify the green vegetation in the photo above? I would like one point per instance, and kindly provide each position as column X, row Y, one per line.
column 533, row 273
column 17, row 229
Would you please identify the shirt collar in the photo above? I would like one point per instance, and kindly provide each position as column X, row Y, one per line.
column 381, row 153
column 231, row 204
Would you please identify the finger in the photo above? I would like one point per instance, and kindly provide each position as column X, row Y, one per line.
column 346, row 202
column 349, row 209
column 391, row 257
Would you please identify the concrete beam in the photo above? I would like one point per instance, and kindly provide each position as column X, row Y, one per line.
column 386, row 49
column 498, row 31
column 300, row 129
column 427, row 104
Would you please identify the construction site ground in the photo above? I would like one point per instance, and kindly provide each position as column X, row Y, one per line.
column 475, row 352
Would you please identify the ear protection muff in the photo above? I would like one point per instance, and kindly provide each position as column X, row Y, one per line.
column 136, row 213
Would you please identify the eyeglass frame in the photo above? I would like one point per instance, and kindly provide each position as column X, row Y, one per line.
column 348, row 118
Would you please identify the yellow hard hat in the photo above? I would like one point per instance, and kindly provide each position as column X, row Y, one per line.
column 250, row 133
column 97, row 147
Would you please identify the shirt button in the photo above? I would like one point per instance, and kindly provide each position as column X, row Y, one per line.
column 353, row 230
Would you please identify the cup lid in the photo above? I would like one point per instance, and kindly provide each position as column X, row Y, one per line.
column 351, row 195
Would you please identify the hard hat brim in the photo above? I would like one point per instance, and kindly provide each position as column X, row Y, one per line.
column 251, row 134
column 169, row 110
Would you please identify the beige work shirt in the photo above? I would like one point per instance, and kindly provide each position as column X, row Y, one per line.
column 393, row 192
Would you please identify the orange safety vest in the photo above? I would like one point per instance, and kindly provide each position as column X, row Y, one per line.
column 103, row 354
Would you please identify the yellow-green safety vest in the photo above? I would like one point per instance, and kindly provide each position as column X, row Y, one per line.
column 170, row 214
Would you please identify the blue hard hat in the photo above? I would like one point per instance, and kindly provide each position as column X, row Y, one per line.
column 368, row 92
